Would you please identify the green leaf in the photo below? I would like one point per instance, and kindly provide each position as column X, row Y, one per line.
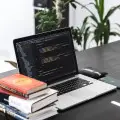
column 77, row 36
column 83, row 6
column 118, row 25
column 94, row 25
column 47, row 20
column 110, row 12
column 14, row 64
column 97, row 6
column 98, row 34
column 73, row 5
column 94, row 5
column 96, row 2
column 106, row 32
column 101, row 9
column 84, row 25
column 94, row 19
column 114, row 34
column 86, row 37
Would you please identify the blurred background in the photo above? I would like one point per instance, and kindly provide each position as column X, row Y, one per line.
column 18, row 20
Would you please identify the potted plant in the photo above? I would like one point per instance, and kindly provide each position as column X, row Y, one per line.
column 81, row 34
column 100, row 26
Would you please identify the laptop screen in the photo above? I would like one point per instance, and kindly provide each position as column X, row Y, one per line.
column 47, row 56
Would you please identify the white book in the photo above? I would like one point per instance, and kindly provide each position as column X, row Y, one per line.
column 45, row 115
column 42, row 111
column 30, row 106
column 47, row 111
column 38, row 93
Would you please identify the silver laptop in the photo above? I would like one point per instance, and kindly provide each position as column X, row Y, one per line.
column 50, row 57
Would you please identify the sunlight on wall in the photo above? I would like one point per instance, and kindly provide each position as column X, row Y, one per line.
column 16, row 20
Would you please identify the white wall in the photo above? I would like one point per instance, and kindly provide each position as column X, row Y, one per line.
column 16, row 20
column 77, row 16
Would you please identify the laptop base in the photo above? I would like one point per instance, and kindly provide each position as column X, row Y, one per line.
column 84, row 94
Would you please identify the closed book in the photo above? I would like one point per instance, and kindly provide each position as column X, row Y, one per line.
column 30, row 106
column 5, row 94
column 20, row 115
column 21, row 85
column 10, row 111
column 40, row 112
column 46, row 115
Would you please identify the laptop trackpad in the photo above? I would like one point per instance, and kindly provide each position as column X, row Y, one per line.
column 83, row 94
column 66, row 101
column 74, row 97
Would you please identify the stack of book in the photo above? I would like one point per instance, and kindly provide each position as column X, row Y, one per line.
column 25, row 98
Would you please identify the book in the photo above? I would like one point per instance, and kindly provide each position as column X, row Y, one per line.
column 45, row 115
column 21, row 85
column 30, row 106
column 41, row 111
column 10, row 111
column 4, row 94
column 20, row 115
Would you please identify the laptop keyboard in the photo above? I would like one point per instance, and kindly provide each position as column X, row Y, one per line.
column 71, row 85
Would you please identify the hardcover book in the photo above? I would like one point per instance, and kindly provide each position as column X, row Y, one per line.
column 21, row 85
column 15, row 113
column 4, row 94
column 30, row 106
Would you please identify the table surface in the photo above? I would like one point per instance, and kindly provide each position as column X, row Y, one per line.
column 105, row 58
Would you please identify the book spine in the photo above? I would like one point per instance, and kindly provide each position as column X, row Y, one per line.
column 10, row 111
column 14, row 91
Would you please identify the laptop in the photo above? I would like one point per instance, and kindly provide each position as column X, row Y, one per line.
column 50, row 57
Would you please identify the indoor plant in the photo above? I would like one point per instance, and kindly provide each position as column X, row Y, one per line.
column 100, row 26
column 47, row 20
column 81, row 34
column 50, row 19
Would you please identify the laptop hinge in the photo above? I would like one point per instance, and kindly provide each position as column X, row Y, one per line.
column 62, row 80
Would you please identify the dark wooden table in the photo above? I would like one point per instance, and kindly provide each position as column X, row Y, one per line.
column 105, row 58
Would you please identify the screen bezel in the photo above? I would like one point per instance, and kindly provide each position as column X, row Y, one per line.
column 15, row 41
